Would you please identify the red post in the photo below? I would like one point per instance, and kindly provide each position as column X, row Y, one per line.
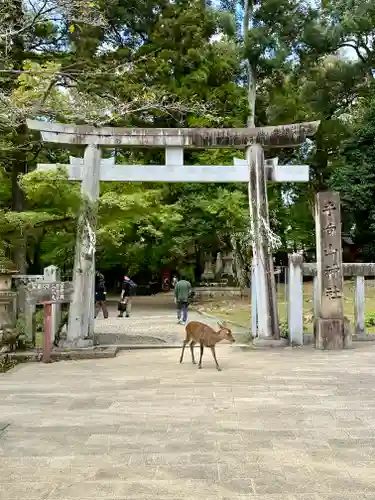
column 47, row 338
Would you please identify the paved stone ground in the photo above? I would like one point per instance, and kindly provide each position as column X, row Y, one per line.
column 273, row 425
column 153, row 321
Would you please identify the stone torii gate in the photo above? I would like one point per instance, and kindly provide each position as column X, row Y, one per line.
column 255, row 171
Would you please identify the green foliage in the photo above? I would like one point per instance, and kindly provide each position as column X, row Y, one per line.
column 370, row 319
column 7, row 363
column 284, row 330
column 354, row 177
column 159, row 227
column 180, row 64
column 39, row 321
column 51, row 192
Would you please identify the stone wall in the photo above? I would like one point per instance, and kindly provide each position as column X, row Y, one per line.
column 217, row 293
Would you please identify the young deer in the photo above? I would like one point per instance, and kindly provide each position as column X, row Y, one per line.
column 207, row 337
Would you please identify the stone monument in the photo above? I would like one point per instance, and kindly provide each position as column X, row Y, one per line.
column 330, row 333
column 48, row 293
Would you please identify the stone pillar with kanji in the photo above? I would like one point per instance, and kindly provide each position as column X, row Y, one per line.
column 330, row 332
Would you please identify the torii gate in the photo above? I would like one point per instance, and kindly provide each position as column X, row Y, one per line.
column 255, row 170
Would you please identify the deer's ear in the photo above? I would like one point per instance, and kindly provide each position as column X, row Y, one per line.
column 220, row 324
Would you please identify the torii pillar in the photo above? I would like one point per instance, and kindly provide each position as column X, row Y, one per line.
column 266, row 299
column 255, row 173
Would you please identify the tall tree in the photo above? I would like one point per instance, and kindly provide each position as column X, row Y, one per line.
column 354, row 177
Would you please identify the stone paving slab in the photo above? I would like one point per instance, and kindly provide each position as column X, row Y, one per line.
column 273, row 425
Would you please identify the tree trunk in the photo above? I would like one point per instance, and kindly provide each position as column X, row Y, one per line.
column 251, row 95
column 251, row 70
column 19, row 156
column 19, row 166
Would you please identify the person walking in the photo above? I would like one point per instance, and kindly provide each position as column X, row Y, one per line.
column 174, row 281
column 127, row 292
column 182, row 291
column 100, row 295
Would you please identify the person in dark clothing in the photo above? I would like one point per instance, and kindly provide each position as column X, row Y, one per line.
column 100, row 295
column 127, row 292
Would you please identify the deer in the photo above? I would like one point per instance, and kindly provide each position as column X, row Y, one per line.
column 207, row 337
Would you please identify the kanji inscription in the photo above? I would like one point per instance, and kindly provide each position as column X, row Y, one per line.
column 329, row 250
column 329, row 207
column 53, row 292
column 332, row 292
column 331, row 270
column 330, row 229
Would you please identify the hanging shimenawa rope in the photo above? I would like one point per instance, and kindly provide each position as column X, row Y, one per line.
column 86, row 224
column 273, row 240
column 91, row 237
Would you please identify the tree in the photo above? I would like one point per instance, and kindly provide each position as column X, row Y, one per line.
column 167, row 64
column 32, row 51
column 354, row 178
column 348, row 25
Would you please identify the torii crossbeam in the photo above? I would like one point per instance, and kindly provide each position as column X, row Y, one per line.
column 282, row 136
column 91, row 169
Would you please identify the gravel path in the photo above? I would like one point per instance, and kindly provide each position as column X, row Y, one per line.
column 153, row 321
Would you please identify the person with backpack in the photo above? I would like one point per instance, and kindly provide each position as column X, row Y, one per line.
column 100, row 295
column 127, row 292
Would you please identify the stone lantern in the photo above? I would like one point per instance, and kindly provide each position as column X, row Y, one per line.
column 7, row 299
column 228, row 272
column 208, row 273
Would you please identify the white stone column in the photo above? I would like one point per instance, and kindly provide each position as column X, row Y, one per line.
column 295, row 299
column 254, row 307
column 52, row 273
column 81, row 314
column 174, row 155
column 359, row 305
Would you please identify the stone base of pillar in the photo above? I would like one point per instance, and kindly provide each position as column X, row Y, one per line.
column 330, row 334
column 79, row 343
column 264, row 342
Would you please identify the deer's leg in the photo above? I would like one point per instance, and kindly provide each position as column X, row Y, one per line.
column 200, row 359
column 183, row 348
column 214, row 355
column 192, row 344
